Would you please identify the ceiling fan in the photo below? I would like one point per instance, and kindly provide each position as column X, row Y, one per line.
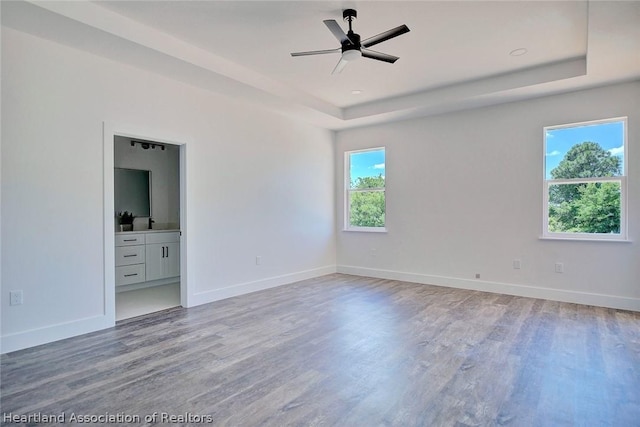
column 351, row 46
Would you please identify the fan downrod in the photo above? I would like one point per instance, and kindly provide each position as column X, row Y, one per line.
column 349, row 15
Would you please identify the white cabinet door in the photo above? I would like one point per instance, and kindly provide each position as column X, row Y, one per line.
column 163, row 260
column 172, row 260
column 154, row 260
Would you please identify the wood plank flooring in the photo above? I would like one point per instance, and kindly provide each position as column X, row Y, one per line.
column 345, row 351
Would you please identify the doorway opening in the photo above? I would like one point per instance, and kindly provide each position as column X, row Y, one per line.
column 147, row 218
column 144, row 223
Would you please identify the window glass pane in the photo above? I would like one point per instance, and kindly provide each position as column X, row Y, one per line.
column 366, row 208
column 587, row 151
column 585, row 208
column 367, row 169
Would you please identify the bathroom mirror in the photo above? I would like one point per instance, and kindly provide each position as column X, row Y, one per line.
column 133, row 191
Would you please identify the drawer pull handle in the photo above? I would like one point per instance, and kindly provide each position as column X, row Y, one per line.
column 129, row 275
column 130, row 240
column 129, row 256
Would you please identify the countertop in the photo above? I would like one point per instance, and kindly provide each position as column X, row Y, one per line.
column 147, row 231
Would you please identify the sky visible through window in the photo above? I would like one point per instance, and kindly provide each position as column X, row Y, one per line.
column 367, row 163
column 609, row 135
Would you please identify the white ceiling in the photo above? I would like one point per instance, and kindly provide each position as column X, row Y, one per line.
column 456, row 55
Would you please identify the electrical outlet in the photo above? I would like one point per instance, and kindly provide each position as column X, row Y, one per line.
column 477, row 275
column 15, row 298
column 559, row 267
column 258, row 260
column 517, row 264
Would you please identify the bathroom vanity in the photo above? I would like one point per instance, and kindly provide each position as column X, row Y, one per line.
column 147, row 258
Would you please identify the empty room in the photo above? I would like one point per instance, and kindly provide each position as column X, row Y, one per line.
column 296, row 213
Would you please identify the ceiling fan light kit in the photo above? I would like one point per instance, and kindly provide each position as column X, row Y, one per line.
column 351, row 46
column 351, row 55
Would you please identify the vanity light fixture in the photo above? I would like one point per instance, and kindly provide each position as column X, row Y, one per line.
column 146, row 145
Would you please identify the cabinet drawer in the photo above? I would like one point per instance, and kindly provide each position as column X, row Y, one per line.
column 168, row 237
column 127, row 255
column 129, row 239
column 128, row 274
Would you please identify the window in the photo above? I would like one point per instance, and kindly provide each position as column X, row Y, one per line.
column 585, row 180
column 365, row 190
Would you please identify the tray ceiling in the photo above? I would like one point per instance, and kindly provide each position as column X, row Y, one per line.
column 457, row 54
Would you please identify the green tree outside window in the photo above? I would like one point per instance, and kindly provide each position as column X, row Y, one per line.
column 592, row 207
column 367, row 208
column 365, row 189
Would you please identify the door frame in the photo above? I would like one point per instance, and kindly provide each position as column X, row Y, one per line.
column 110, row 131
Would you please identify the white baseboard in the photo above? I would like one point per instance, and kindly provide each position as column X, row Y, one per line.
column 47, row 334
column 34, row 337
column 258, row 285
column 600, row 300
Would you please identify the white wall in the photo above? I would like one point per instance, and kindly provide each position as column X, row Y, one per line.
column 257, row 184
column 464, row 193
column 464, row 196
column 165, row 176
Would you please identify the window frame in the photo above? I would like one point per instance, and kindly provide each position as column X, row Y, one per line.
column 622, row 179
column 348, row 191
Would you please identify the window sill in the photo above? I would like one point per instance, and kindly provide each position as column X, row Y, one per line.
column 584, row 239
column 367, row 229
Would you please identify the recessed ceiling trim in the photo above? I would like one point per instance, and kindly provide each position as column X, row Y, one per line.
column 105, row 20
column 454, row 93
column 518, row 52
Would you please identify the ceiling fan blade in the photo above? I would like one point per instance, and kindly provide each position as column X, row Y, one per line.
column 394, row 32
column 339, row 66
column 337, row 31
column 315, row 52
column 372, row 54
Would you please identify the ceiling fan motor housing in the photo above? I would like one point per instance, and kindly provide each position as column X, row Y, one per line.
column 353, row 43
